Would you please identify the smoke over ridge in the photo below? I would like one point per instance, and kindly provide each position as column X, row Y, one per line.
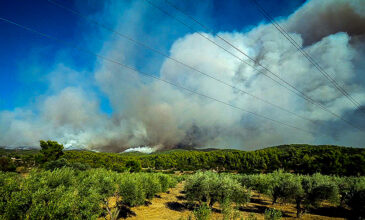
column 151, row 113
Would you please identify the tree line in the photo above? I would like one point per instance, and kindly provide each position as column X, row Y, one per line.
column 301, row 159
column 305, row 191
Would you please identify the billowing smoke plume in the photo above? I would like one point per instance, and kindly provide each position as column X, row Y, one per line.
column 150, row 113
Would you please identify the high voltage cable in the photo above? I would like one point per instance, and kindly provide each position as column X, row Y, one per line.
column 292, row 88
column 153, row 76
column 305, row 54
column 141, row 44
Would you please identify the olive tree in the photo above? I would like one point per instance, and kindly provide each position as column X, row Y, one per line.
column 211, row 187
column 303, row 190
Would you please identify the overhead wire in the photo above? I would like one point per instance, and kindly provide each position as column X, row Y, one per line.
column 305, row 54
column 289, row 86
column 141, row 44
column 154, row 76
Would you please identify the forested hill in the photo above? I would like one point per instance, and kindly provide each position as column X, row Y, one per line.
column 305, row 159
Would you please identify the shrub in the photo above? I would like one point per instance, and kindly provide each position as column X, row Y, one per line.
column 260, row 182
column 78, row 166
column 229, row 212
column 166, row 181
column 21, row 169
column 273, row 214
column 356, row 197
column 150, row 184
column 203, row 212
column 6, row 164
column 55, row 164
column 117, row 167
column 251, row 216
column 131, row 191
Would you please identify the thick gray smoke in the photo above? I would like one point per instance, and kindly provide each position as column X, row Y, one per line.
column 150, row 113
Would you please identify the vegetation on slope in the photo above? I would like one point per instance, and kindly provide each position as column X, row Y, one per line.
column 302, row 159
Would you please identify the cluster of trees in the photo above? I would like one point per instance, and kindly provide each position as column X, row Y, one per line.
column 302, row 159
column 67, row 193
column 52, row 156
column 308, row 191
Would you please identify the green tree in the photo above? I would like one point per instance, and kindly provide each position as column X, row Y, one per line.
column 51, row 150
column 134, row 166
column 6, row 164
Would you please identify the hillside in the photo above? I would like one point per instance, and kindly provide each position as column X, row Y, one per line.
column 298, row 158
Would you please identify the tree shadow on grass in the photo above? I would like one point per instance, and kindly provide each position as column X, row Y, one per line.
column 176, row 206
column 126, row 212
column 254, row 209
column 259, row 201
column 258, row 210
column 180, row 207
column 333, row 212
column 181, row 197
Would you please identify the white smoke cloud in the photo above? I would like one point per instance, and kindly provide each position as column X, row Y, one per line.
column 146, row 150
column 151, row 113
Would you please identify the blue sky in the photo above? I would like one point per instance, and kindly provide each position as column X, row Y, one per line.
column 49, row 90
column 26, row 59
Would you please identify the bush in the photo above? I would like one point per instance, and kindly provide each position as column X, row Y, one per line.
column 229, row 212
column 273, row 214
column 166, row 181
column 356, row 197
column 150, row 184
column 78, row 166
column 6, row 164
column 131, row 191
column 55, row 164
column 203, row 212
column 260, row 182
column 21, row 169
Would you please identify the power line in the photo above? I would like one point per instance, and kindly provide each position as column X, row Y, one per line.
column 141, row 44
column 305, row 54
column 292, row 88
column 154, row 77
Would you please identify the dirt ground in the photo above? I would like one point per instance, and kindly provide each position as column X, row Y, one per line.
column 172, row 205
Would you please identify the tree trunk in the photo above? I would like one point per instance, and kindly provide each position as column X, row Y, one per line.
column 299, row 209
column 274, row 199
column 211, row 203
